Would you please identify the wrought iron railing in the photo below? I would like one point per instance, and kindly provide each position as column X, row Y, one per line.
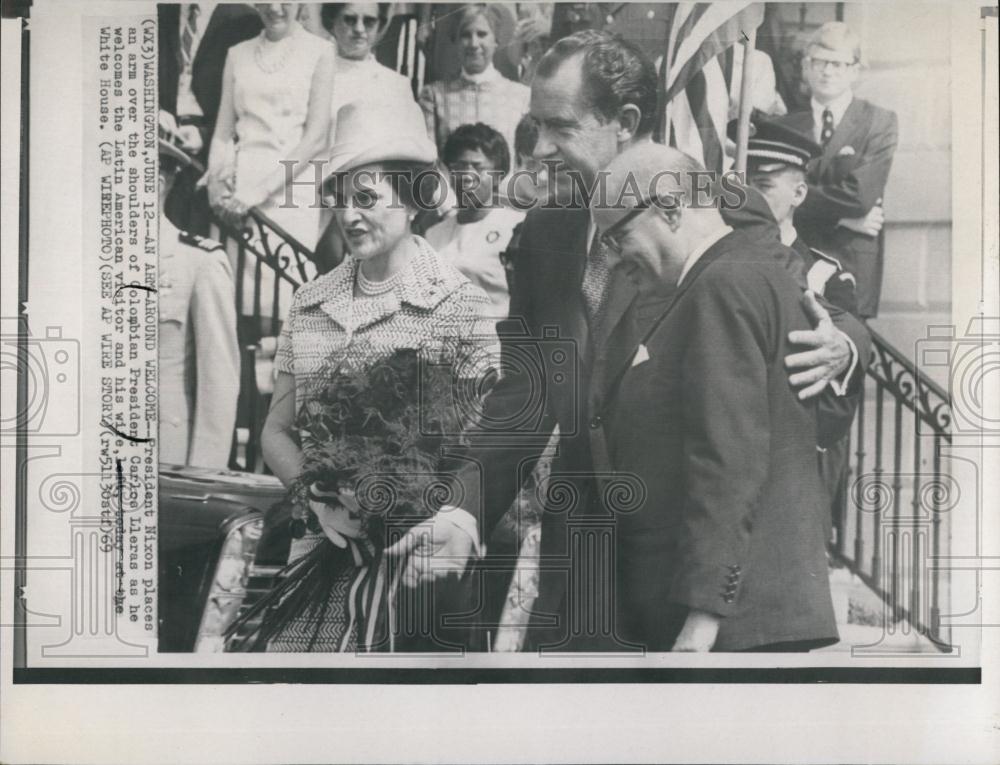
column 270, row 264
column 895, row 496
column 267, row 257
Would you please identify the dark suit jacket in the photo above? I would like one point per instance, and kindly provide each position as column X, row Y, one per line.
column 732, row 520
column 228, row 25
column 552, row 377
column 846, row 182
column 836, row 413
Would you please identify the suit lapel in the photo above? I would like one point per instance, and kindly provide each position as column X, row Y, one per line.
column 802, row 122
column 616, row 372
column 845, row 130
column 216, row 22
column 622, row 291
column 618, row 331
column 170, row 35
column 568, row 272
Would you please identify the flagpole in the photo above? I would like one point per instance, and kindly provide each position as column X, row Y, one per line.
column 664, row 76
column 746, row 102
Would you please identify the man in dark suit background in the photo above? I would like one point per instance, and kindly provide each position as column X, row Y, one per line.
column 727, row 550
column 593, row 97
column 194, row 39
column 842, row 214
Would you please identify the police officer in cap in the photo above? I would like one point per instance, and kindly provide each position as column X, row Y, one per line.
column 198, row 351
column 777, row 158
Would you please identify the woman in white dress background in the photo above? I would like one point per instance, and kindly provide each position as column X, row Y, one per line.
column 274, row 116
column 358, row 78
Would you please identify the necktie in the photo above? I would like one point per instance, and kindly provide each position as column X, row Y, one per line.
column 595, row 280
column 827, row 133
column 189, row 33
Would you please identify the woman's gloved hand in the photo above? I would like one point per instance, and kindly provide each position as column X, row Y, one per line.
column 338, row 514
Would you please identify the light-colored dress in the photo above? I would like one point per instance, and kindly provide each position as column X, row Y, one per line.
column 430, row 306
column 272, row 83
column 367, row 82
column 271, row 90
column 489, row 98
column 475, row 249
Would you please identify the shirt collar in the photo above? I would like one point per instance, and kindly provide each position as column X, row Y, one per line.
column 350, row 64
column 425, row 282
column 837, row 107
column 204, row 13
column 489, row 74
column 703, row 246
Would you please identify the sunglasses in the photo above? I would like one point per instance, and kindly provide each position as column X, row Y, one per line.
column 351, row 19
column 614, row 237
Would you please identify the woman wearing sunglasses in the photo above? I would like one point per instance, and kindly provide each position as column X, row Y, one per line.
column 357, row 28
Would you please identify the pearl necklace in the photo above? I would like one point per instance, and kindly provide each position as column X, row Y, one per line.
column 372, row 288
column 277, row 58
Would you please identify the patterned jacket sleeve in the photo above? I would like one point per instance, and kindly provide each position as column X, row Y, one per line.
column 475, row 330
column 284, row 357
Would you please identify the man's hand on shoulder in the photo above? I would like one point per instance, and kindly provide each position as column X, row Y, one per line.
column 829, row 354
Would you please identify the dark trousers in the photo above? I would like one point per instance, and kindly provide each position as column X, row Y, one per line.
column 187, row 206
column 833, row 474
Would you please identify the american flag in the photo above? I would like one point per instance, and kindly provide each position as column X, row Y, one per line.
column 696, row 72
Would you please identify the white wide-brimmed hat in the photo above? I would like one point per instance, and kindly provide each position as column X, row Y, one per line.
column 369, row 133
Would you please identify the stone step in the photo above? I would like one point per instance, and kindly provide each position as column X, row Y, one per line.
column 866, row 624
column 862, row 639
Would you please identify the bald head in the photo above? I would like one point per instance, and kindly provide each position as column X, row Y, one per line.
column 654, row 205
column 645, row 173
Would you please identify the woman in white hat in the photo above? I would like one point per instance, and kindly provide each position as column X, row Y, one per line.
column 392, row 291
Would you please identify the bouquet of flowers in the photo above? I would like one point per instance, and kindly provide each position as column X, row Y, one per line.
column 377, row 432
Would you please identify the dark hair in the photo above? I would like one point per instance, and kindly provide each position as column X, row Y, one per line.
column 415, row 184
column 478, row 137
column 615, row 73
column 330, row 11
column 525, row 136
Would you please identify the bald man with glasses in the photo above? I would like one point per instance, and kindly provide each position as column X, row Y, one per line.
column 726, row 552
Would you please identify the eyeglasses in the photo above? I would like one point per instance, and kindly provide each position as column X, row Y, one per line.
column 614, row 237
column 820, row 64
column 351, row 20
